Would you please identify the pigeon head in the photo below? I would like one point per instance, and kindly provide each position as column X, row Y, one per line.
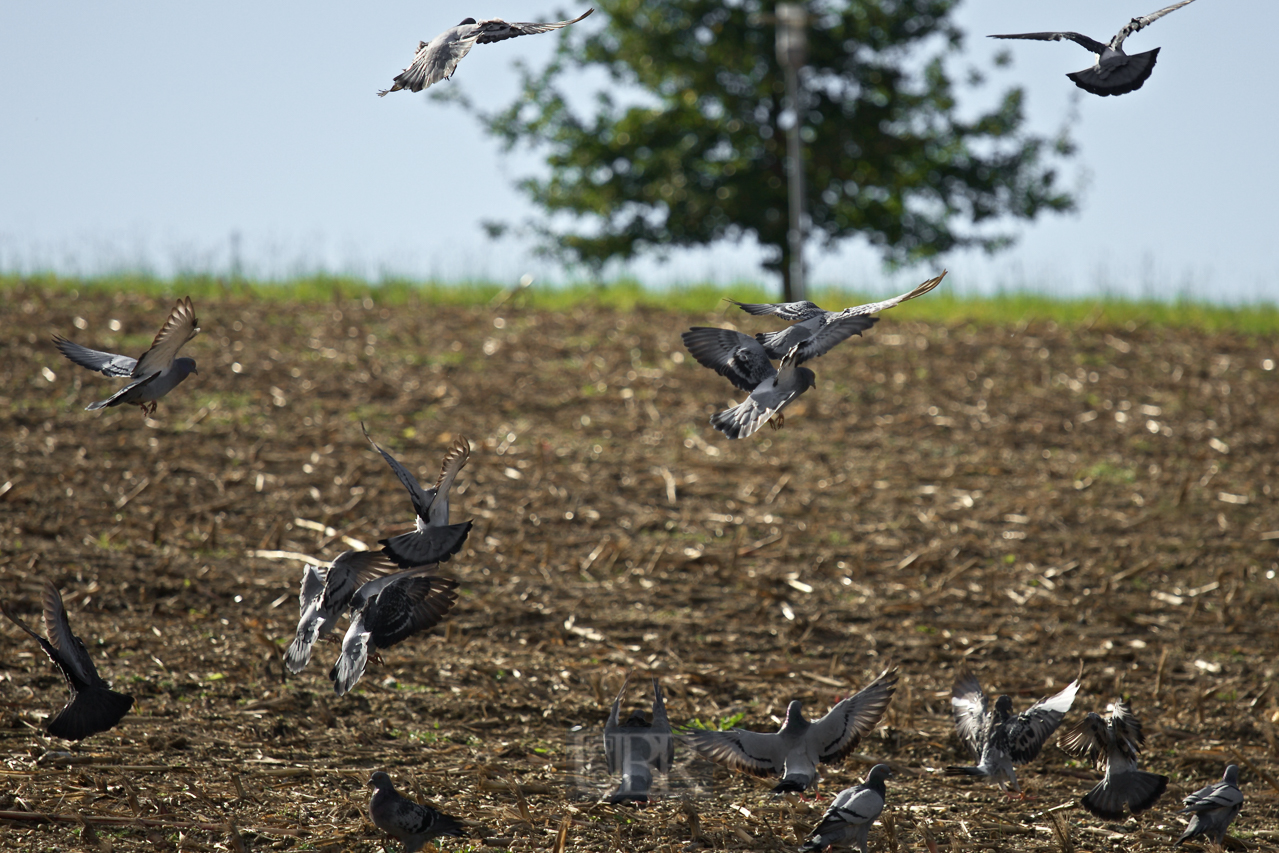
column 794, row 717
column 466, row 21
column 1004, row 707
column 1232, row 775
column 381, row 781
column 185, row 365
column 805, row 378
column 879, row 773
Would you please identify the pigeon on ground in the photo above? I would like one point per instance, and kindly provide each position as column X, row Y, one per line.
column 1112, row 746
column 410, row 822
column 999, row 739
column 157, row 372
column 1115, row 72
column 326, row 594
column 387, row 611
column 814, row 330
column 847, row 821
column 742, row 360
column 433, row 540
column 1213, row 807
column 437, row 59
column 94, row 707
column 795, row 750
column 637, row 746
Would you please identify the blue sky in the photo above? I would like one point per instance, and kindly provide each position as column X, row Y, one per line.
column 147, row 134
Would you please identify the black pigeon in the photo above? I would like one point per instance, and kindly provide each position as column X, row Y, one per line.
column 637, row 746
column 410, row 822
column 1112, row 746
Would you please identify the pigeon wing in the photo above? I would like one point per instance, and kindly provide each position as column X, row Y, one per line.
column 612, row 731
column 181, row 327
column 970, row 709
column 409, row 607
column 836, row 330
column 1117, row 76
column 734, row 355
column 1126, row 729
column 756, row 753
column 1088, row 739
column 838, row 733
column 73, row 658
column 422, row 499
column 1078, row 38
column 884, row 305
column 496, row 29
column 353, row 657
column 1030, row 730
column 298, row 654
column 791, row 312
column 1138, row 24
column 434, row 61
column 106, row 363
column 94, row 707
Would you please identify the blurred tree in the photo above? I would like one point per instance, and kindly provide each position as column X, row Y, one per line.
column 698, row 153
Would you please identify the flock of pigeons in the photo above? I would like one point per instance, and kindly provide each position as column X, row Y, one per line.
column 396, row 592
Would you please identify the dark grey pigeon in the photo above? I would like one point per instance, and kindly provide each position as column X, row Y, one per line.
column 1213, row 807
column 437, row 59
column 433, row 539
column 94, row 706
column 1115, row 72
column 794, row 751
column 157, row 372
column 1113, row 746
column 814, row 330
column 387, row 611
column 847, row 821
column 742, row 360
column 637, row 746
column 326, row 594
column 410, row 822
column 999, row 739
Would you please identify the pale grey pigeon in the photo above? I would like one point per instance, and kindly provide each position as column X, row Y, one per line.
column 433, row 539
column 637, row 746
column 94, row 706
column 794, row 751
column 1112, row 746
column 326, row 594
column 814, row 330
column 740, row 358
column 157, row 372
column 847, row 821
column 1115, row 72
column 437, row 59
column 387, row 611
column 999, row 739
column 1213, row 807
column 410, row 822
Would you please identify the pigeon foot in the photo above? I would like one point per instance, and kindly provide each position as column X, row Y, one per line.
column 778, row 421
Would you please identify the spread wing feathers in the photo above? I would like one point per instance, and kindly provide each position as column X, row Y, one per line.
column 732, row 354
column 298, row 654
column 106, row 363
column 181, row 327
column 1119, row 75
column 661, row 725
column 72, row 657
column 433, row 62
column 1078, row 38
column 89, row 712
column 498, row 30
column 125, row 394
column 426, row 544
column 970, row 709
column 1088, row 739
column 837, row 329
column 841, row 730
column 768, row 398
column 756, row 753
column 454, row 462
column 408, row 607
column 1138, row 24
column 422, row 498
column 611, row 730
column 1136, row 789
column 876, row 307
column 791, row 312
column 1030, row 730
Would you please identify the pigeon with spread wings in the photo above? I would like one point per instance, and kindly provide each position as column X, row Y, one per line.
column 847, row 821
column 1115, row 72
column 1112, row 745
column 410, row 822
column 326, row 594
column 437, row 59
column 94, row 706
column 794, row 751
column 1213, row 807
column 636, row 746
column 742, row 360
column 999, row 739
column 157, row 372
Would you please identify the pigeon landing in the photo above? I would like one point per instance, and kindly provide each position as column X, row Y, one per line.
column 437, row 59
column 94, row 707
column 816, row 331
column 795, row 750
column 1115, row 72
column 433, row 540
column 1213, row 807
column 1112, row 746
column 847, row 821
column 999, row 739
column 157, row 372
column 742, row 360
column 635, row 747
column 326, row 594
column 410, row 822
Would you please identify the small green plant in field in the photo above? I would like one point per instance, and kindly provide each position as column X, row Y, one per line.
column 1107, row 473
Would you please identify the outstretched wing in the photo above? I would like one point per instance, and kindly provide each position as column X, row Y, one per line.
column 836, row 330
column 756, row 753
column 1087, row 739
column 1078, row 38
column 181, row 327
column 970, row 709
column 791, row 312
column 421, row 498
column 73, row 658
column 612, row 758
column 106, row 363
column 731, row 354
column 496, row 29
column 1138, row 24
column 434, row 61
column 884, row 305
column 1030, row 730
column 408, row 607
column 661, row 729
column 838, row 733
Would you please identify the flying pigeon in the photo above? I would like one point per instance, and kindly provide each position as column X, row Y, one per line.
column 94, row 707
column 1115, row 72
column 326, row 594
column 814, row 330
column 1112, row 746
column 742, row 360
column 1213, row 807
column 157, row 372
column 999, row 739
column 410, row 822
column 433, row 540
column 387, row 611
column 636, row 746
column 795, row 750
column 847, row 821
column 437, row 59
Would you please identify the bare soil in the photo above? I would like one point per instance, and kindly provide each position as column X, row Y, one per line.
column 1026, row 501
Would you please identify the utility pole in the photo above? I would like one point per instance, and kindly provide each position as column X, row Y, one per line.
column 792, row 49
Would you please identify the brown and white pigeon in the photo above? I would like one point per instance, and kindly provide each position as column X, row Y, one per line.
column 637, row 746
column 326, row 594
column 795, row 750
column 94, row 706
column 1112, row 745
column 1213, row 807
column 410, row 822
column 848, row 820
column 155, row 373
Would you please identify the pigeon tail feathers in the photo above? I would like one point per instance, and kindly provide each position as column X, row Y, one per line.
column 93, row 710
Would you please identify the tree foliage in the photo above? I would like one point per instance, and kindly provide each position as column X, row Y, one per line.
column 686, row 147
